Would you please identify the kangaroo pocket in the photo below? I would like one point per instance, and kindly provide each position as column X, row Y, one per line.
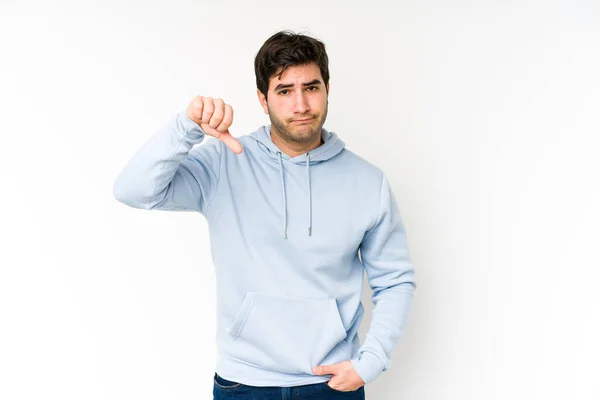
column 285, row 334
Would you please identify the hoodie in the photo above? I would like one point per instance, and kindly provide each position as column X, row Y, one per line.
column 290, row 239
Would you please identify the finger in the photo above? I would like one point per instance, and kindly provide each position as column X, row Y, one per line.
column 227, row 119
column 209, row 108
column 196, row 108
column 218, row 113
column 324, row 369
column 225, row 137
column 231, row 142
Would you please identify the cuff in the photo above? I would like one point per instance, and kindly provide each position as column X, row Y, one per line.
column 189, row 128
column 368, row 366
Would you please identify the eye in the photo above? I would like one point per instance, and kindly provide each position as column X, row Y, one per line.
column 312, row 87
column 281, row 92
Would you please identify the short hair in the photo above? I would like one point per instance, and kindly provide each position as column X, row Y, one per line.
column 286, row 48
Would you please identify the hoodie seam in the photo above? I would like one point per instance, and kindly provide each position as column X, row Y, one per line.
column 379, row 204
column 161, row 172
column 218, row 178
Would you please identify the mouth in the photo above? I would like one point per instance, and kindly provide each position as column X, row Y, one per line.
column 303, row 121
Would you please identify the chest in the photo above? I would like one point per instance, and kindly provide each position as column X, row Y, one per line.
column 337, row 206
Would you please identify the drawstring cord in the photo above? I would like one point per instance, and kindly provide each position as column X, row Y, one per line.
column 309, row 196
column 285, row 198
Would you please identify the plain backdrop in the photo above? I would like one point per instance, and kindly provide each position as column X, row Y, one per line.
column 484, row 115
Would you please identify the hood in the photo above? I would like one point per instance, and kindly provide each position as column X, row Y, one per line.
column 332, row 145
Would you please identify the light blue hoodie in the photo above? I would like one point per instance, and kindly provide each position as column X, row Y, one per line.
column 285, row 236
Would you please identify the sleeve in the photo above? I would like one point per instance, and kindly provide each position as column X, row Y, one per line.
column 167, row 173
column 385, row 256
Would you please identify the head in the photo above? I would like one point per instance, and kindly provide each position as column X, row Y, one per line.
column 292, row 79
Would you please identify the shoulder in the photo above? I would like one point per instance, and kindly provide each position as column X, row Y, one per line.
column 360, row 165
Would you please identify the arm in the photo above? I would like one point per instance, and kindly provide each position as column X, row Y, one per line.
column 167, row 174
column 384, row 253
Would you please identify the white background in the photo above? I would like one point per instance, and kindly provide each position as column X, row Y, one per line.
column 484, row 115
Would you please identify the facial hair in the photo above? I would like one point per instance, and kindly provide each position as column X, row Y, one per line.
column 301, row 133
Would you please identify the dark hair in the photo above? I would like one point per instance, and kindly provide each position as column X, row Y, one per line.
column 286, row 48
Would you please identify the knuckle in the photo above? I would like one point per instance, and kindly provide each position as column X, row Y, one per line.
column 214, row 122
column 224, row 125
column 198, row 101
column 207, row 114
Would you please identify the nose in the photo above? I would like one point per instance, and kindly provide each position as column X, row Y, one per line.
column 301, row 105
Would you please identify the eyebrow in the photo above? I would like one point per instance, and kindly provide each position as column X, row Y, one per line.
column 289, row 85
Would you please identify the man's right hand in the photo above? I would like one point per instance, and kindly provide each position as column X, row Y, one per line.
column 215, row 118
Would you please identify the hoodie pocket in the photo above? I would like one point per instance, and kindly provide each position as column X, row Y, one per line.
column 286, row 334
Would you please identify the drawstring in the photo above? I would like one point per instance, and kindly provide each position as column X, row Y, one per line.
column 285, row 199
column 309, row 196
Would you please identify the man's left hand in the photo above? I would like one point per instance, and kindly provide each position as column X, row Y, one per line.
column 345, row 378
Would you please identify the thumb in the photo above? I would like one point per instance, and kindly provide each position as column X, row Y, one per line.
column 324, row 369
column 225, row 137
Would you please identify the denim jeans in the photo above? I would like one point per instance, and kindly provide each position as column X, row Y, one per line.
column 224, row 389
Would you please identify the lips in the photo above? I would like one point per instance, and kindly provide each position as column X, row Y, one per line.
column 303, row 120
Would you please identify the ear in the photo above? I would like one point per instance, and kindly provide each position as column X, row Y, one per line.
column 328, row 89
column 263, row 100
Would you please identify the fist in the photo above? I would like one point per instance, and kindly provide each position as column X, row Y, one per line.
column 214, row 117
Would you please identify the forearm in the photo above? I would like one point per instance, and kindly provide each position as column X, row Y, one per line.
column 385, row 255
column 388, row 322
column 143, row 181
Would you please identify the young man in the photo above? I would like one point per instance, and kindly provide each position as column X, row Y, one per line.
column 289, row 209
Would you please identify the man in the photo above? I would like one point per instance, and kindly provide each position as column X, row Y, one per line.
column 294, row 219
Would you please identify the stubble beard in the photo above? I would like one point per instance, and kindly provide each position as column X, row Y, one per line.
column 299, row 133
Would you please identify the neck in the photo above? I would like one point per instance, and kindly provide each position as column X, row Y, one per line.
column 294, row 149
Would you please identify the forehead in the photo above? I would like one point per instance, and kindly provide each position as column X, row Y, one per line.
column 296, row 74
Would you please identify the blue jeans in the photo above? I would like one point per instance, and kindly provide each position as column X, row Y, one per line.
column 224, row 389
